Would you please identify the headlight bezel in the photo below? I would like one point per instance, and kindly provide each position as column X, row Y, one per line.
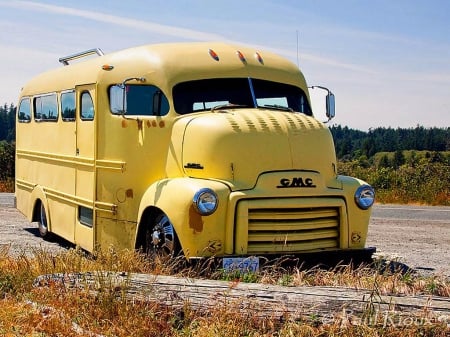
column 202, row 206
column 365, row 196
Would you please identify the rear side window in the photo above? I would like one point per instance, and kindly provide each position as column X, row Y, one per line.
column 46, row 108
column 68, row 106
column 87, row 107
column 24, row 111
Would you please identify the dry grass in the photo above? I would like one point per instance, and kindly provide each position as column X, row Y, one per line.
column 53, row 311
column 7, row 186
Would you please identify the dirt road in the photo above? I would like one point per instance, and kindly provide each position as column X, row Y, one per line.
column 416, row 236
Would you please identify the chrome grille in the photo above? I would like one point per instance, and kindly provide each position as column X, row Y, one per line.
column 290, row 229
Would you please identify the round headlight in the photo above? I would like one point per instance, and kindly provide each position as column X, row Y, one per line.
column 205, row 201
column 365, row 196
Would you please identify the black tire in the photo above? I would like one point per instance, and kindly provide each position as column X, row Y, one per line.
column 160, row 237
column 42, row 222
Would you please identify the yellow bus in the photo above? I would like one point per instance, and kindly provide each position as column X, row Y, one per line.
column 208, row 149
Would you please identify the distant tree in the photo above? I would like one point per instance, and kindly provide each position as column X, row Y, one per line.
column 413, row 160
column 7, row 122
column 6, row 160
column 3, row 122
column 399, row 159
column 436, row 157
column 11, row 135
column 384, row 161
column 368, row 146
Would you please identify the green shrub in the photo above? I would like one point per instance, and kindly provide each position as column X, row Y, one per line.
column 424, row 179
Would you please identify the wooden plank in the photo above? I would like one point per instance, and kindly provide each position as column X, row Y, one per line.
column 258, row 300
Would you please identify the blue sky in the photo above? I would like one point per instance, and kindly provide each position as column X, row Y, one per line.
column 388, row 62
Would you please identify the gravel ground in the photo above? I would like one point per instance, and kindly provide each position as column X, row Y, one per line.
column 424, row 247
column 416, row 236
column 17, row 234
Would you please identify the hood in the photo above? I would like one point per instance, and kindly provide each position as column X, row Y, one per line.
column 238, row 145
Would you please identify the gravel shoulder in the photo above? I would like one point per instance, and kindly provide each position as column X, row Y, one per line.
column 421, row 246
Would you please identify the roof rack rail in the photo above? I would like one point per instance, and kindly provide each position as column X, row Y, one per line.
column 65, row 60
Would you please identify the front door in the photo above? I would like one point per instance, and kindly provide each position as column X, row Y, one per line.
column 85, row 171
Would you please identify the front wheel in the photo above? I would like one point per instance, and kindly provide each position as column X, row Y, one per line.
column 161, row 238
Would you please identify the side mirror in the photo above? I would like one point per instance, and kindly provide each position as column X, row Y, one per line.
column 117, row 99
column 331, row 112
column 330, row 108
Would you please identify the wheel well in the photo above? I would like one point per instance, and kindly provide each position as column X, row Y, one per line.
column 148, row 215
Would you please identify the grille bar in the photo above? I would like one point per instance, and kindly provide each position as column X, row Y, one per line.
column 260, row 248
column 285, row 237
column 296, row 213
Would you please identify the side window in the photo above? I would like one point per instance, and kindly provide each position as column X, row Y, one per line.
column 24, row 111
column 85, row 216
column 46, row 108
column 68, row 106
column 140, row 100
column 87, row 107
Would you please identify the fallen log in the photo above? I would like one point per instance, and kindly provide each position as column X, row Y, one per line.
column 318, row 303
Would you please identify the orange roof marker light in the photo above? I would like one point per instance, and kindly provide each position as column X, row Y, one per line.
column 259, row 58
column 213, row 54
column 241, row 56
column 107, row 67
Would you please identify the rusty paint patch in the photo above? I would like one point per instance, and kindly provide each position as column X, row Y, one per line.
column 195, row 220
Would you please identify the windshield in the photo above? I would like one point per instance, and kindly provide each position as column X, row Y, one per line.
column 207, row 94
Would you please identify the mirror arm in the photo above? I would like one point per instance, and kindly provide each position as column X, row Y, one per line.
column 123, row 85
column 139, row 79
column 320, row 87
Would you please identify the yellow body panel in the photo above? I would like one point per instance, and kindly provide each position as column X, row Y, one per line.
column 274, row 171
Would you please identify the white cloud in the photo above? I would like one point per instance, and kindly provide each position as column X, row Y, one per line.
column 27, row 63
column 114, row 20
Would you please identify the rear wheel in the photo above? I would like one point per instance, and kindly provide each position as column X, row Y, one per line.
column 42, row 222
column 160, row 237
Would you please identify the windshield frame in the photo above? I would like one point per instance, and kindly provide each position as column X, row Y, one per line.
column 238, row 92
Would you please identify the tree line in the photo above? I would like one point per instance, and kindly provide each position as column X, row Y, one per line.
column 352, row 143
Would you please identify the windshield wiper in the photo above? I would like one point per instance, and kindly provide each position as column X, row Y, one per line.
column 276, row 107
column 229, row 106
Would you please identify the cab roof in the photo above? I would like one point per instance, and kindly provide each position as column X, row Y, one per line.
column 169, row 64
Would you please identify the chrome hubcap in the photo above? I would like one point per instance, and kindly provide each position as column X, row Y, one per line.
column 162, row 236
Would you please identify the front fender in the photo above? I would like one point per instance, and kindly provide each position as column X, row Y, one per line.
column 199, row 236
column 358, row 219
